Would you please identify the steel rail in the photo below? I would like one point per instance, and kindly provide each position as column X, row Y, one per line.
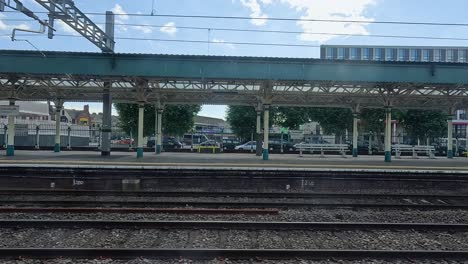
column 55, row 192
column 88, row 253
column 215, row 204
column 228, row 225
column 86, row 210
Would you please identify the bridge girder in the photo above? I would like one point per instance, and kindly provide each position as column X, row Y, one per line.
column 245, row 92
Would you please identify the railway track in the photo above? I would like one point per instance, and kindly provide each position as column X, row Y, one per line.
column 11, row 205
column 250, row 194
column 235, row 254
column 229, row 225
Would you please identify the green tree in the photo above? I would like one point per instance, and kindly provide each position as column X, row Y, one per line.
column 332, row 120
column 176, row 120
column 423, row 124
column 292, row 117
column 242, row 119
column 372, row 120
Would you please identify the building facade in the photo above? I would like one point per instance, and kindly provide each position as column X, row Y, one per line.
column 395, row 53
column 405, row 54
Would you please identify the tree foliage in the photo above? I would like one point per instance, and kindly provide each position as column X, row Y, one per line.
column 332, row 120
column 176, row 119
column 372, row 120
column 292, row 117
column 243, row 119
column 417, row 123
column 422, row 124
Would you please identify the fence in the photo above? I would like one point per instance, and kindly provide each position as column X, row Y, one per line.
column 42, row 134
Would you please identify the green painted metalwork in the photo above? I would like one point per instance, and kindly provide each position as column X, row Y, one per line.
column 388, row 156
column 10, row 151
column 139, row 152
column 235, row 68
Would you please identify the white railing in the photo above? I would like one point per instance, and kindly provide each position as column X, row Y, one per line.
column 322, row 148
column 423, row 149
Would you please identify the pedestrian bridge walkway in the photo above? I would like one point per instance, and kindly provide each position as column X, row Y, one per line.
column 229, row 161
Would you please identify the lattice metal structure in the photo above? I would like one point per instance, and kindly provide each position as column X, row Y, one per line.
column 317, row 94
column 73, row 17
column 177, row 79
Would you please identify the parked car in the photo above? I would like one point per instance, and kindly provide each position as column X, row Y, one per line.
column 197, row 139
column 247, row 146
column 209, row 143
column 167, row 143
column 276, row 145
column 230, row 144
column 125, row 141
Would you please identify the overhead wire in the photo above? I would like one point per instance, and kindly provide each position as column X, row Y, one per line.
column 194, row 41
column 276, row 31
column 271, row 19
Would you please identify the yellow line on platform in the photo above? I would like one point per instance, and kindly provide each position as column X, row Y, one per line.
column 227, row 165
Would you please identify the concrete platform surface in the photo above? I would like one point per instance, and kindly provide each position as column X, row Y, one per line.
column 229, row 161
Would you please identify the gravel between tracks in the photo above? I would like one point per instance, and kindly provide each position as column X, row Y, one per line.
column 227, row 261
column 304, row 215
column 117, row 199
column 233, row 239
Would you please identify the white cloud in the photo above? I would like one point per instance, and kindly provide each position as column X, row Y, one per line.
column 122, row 14
column 66, row 28
column 4, row 26
column 320, row 9
column 229, row 45
column 331, row 9
column 169, row 28
column 146, row 30
column 256, row 11
column 121, row 18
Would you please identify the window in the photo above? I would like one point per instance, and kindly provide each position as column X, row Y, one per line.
column 461, row 55
column 425, row 55
column 414, row 55
column 340, row 53
column 449, row 55
column 401, row 55
column 378, row 54
column 329, row 53
column 390, row 54
column 437, row 55
column 366, row 53
column 354, row 54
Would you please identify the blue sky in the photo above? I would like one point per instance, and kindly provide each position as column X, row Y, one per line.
column 453, row 11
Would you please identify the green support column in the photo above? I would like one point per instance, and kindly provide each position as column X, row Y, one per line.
column 106, row 128
column 58, row 109
column 355, row 134
column 388, row 135
column 159, row 131
column 141, row 111
column 258, row 149
column 10, row 151
column 266, row 128
column 449, row 136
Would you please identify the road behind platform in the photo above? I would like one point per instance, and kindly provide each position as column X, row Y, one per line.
column 231, row 161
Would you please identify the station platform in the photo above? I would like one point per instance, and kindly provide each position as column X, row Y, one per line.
column 231, row 161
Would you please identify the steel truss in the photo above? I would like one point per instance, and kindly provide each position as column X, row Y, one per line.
column 231, row 92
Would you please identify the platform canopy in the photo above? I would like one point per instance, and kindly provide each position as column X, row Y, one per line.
column 185, row 79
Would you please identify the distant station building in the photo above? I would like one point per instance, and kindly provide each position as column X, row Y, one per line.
column 395, row 53
column 404, row 54
column 211, row 125
column 29, row 112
